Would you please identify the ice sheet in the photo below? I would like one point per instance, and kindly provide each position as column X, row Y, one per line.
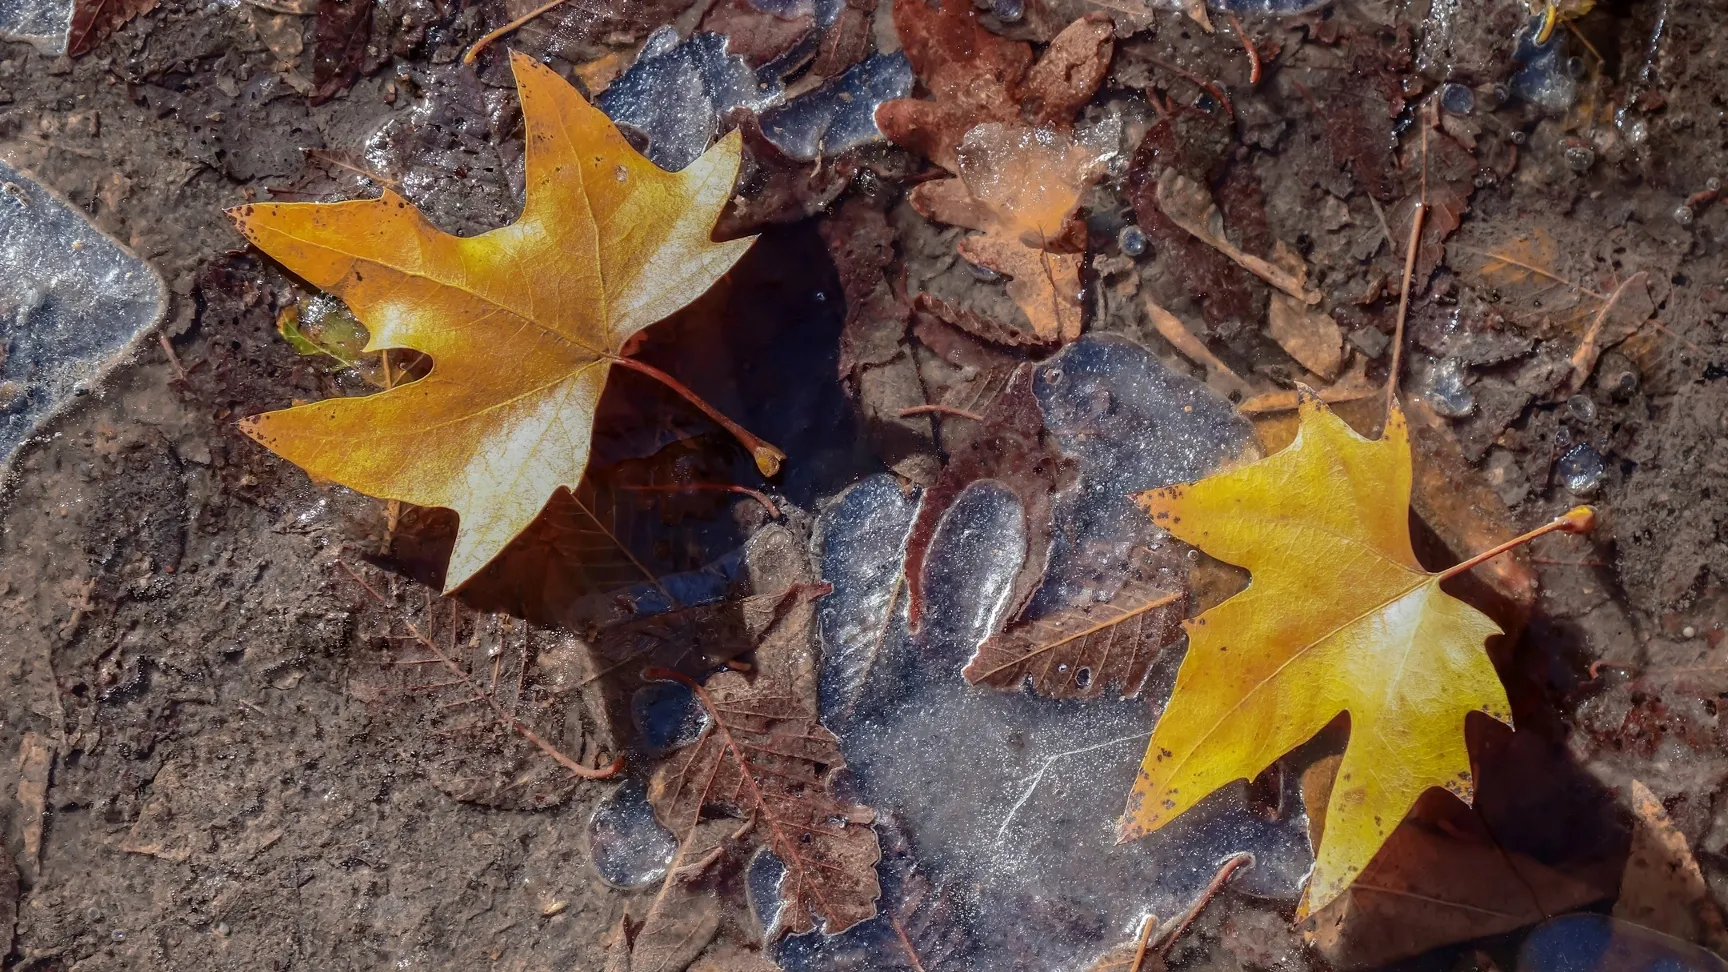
column 1009, row 802
column 72, row 302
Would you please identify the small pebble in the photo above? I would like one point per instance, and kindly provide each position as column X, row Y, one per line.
column 1448, row 393
column 1457, row 99
column 1009, row 11
column 1579, row 157
column 1132, row 241
column 1688, row 632
column 1581, row 470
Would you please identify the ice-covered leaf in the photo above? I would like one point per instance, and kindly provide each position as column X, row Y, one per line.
column 42, row 23
column 971, row 74
column 73, row 301
column 1083, row 652
column 522, row 337
column 841, row 114
column 765, row 758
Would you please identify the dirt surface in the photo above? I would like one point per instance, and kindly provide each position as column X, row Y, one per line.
column 199, row 765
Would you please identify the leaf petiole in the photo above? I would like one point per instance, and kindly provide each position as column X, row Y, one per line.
column 768, row 458
column 1579, row 519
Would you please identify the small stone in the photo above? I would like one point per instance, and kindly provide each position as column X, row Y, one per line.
column 1688, row 632
column 1448, row 391
column 1581, row 470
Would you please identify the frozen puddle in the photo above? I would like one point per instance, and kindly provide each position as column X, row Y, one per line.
column 1008, row 801
column 72, row 302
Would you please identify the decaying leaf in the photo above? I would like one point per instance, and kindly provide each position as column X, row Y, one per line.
column 1013, row 449
column 1020, row 187
column 1189, row 205
column 696, row 640
column 1082, row 652
column 1663, row 887
column 765, row 758
column 1339, row 617
column 341, row 33
column 976, row 76
column 523, row 323
column 95, row 20
column 1307, row 333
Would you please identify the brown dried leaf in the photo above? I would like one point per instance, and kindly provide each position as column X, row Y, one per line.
column 1013, row 450
column 1082, row 652
column 696, row 640
column 1354, row 386
column 1070, row 71
column 339, row 46
column 973, row 323
column 764, row 757
column 1663, row 887
column 1190, row 206
column 1308, row 334
column 618, row 946
column 1021, row 187
column 95, row 20
column 1170, row 327
column 971, row 74
column 35, row 764
column 758, row 36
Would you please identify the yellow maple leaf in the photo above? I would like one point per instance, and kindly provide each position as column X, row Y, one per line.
column 522, row 322
column 1338, row 617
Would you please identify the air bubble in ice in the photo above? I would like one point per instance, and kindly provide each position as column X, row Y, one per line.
column 1009, row 11
column 72, row 303
column 1131, row 241
column 666, row 715
column 628, row 846
column 1457, row 99
column 841, row 114
column 1581, row 470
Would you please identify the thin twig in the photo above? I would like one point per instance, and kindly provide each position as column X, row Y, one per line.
column 1404, row 305
column 1231, row 866
column 173, row 358
column 1589, row 349
column 485, row 42
column 1146, row 928
column 940, row 410
column 905, row 943
column 1247, row 45
column 1201, row 82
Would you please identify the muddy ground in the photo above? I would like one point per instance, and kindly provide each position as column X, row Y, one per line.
column 200, row 771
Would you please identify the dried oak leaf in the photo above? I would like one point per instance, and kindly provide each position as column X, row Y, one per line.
column 1080, row 652
column 95, row 20
column 1020, row 188
column 1011, row 449
column 341, row 32
column 765, row 758
column 1338, row 617
column 523, row 322
column 1663, row 887
column 975, row 76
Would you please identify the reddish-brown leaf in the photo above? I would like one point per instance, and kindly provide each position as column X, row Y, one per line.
column 971, row 74
column 94, row 20
column 342, row 30
column 758, row 36
column 1082, row 652
column 765, row 758
column 1013, row 450
column 696, row 640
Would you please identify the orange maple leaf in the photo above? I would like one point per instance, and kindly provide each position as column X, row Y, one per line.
column 523, row 323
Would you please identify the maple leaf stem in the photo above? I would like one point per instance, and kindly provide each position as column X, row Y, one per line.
column 768, row 458
column 1579, row 519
